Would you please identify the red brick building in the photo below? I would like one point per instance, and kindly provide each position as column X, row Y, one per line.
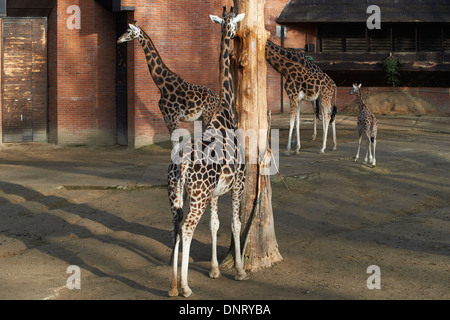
column 66, row 81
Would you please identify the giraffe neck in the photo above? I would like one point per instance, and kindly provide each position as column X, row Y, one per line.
column 282, row 60
column 226, row 80
column 360, row 101
column 158, row 70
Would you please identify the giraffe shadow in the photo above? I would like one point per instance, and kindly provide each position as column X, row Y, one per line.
column 36, row 231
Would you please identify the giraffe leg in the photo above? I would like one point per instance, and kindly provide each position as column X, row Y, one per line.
column 325, row 100
column 176, row 204
column 236, row 196
column 314, row 120
column 374, row 161
column 333, row 127
column 291, row 128
column 214, row 225
column 367, row 149
column 297, row 128
column 187, row 232
column 359, row 147
column 294, row 103
column 325, row 121
column 173, row 283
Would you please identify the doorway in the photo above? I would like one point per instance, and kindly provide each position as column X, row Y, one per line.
column 24, row 80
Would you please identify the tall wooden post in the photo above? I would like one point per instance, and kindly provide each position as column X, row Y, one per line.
column 260, row 247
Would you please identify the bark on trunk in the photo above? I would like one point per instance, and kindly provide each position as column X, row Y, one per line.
column 260, row 247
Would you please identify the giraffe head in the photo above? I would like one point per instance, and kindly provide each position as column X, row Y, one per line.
column 355, row 88
column 228, row 22
column 132, row 33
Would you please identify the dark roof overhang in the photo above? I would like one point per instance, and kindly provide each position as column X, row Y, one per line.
column 115, row 5
column 393, row 11
column 26, row 8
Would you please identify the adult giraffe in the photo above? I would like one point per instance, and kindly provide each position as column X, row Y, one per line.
column 205, row 179
column 180, row 100
column 304, row 81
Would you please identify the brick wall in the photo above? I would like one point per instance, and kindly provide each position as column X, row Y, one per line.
column 82, row 75
column 188, row 43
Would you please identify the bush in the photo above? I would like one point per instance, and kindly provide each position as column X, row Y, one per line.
column 391, row 67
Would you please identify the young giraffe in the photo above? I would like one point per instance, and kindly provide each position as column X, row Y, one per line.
column 367, row 126
column 180, row 100
column 206, row 180
column 304, row 81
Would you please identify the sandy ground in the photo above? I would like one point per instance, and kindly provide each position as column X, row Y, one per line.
column 106, row 211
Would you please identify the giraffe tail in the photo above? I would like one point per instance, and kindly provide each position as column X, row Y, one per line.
column 333, row 114
column 316, row 103
column 176, row 230
column 177, row 219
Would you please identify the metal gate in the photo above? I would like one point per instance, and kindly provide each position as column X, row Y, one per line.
column 24, row 79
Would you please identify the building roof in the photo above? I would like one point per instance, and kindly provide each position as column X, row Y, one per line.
column 356, row 11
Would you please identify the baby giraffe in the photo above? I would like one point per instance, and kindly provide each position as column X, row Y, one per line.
column 367, row 127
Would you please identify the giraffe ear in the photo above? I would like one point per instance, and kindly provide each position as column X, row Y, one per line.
column 360, row 85
column 239, row 17
column 215, row 19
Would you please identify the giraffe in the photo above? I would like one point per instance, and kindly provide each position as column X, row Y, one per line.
column 304, row 81
column 180, row 100
column 367, row 126
column 298, row 56
column 204, row 181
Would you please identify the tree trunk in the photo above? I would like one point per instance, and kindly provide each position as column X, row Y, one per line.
column 260, row 247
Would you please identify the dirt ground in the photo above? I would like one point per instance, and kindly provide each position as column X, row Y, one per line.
column 106, row 211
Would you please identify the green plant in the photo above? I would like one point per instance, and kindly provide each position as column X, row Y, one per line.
column 391, row 67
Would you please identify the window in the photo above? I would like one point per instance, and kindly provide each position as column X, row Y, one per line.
column 399, row 37
column 343, row 38
column 380, row 40
column 404, row 38
column 430, row 37
column 446, row 38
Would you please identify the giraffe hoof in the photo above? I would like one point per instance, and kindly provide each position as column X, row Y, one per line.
column 187, row 293
column 214, row 274
column 321, row 151
column 173, row 292
column 287, row 153
column 296, row 151
column 241, row 277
